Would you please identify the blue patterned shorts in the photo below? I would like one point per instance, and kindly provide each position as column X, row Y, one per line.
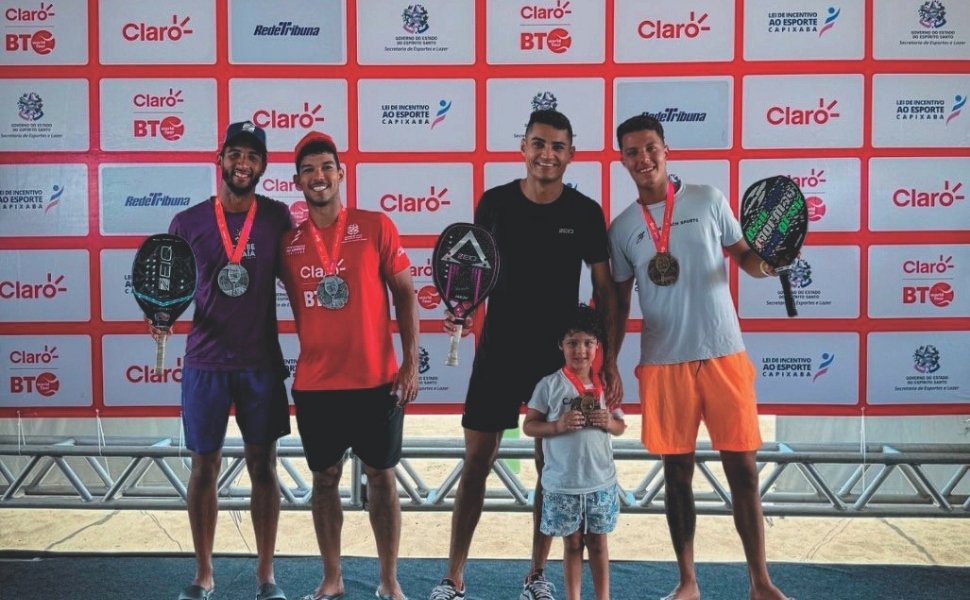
column 564, row 514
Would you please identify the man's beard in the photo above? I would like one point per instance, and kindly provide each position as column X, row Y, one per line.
column 235, row 189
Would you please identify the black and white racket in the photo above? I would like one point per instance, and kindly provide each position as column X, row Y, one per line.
column 465, row 265
column 774, row 220
column 163, row 278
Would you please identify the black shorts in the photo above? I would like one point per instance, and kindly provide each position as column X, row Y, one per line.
column 501, row 384
column 367, row 421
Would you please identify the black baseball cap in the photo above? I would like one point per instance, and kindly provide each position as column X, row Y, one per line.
column 248, row 130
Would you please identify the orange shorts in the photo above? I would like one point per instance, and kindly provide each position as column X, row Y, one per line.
column 674, row 399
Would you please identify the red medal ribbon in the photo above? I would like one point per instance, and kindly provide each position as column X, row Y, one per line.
column 329, row 259
column 661, row 240
column 581, row 387
column 234, row 254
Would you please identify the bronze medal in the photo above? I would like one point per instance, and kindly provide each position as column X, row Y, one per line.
column 333, row 292
column 663, row 269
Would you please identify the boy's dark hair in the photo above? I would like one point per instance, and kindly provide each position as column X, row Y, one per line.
column 552, row 118
column 643, row 122
column 585, row 319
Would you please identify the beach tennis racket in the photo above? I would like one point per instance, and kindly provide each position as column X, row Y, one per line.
column 163, row 283
column 774, row 220
column 465, row 265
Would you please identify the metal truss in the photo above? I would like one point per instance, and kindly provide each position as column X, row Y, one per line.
column 796, row 479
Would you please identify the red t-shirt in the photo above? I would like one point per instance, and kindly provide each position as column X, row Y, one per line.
column 347, row 348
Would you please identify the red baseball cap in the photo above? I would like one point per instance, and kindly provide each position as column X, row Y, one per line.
column 314, row 137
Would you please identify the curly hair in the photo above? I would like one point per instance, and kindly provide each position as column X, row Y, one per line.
column 585, row 319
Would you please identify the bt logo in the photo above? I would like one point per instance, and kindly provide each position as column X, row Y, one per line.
column 170, row 128
column 556, row 41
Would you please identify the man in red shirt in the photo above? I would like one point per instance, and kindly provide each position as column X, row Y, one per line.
column 348, row 390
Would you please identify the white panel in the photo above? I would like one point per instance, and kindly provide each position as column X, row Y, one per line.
column 290, row 108
column 664, row 32
column 509, row 102
column 433, row 32
column 919, row 281
column 171, row 32
column 805, row 368
column 831, row 186
column 44, row 285
column 129, row 370
column 926, row 367
column 141, row 199
column 38, row 115
column 158, row 114
column 806, row 30
column 420, row 198
column 545, row 31
column 45, row 371
column 416, row 115
column 802, row 111
column 824, row 282
column 44, row 33
column 438, row 383
column 911, row 30
column 915, row 111
column 43, row 200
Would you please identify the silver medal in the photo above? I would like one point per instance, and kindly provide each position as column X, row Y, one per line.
column 233, row 280
column 333, row 292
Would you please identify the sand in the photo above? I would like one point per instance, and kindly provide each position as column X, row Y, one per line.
column 921, row 541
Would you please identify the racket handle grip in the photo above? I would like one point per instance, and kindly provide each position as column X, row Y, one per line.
column 452, row 359
column 160, row 353
column 786, row 291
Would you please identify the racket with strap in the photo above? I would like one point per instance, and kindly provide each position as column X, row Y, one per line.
column 465, row 267
column 163, row 279
column 774, row 220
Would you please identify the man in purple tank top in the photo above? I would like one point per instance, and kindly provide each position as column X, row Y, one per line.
column 232, row 355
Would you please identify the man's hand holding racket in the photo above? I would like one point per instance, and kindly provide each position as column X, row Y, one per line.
column 774, row 221
column 163, row 282
column 465, row 265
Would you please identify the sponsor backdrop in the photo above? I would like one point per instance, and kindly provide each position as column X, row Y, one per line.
column 112, row 111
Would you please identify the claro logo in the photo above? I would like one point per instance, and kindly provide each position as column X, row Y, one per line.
column 170, row 100
column 144, row 32
column 788, row 115
column 531, row 12
column 658, row 29
column 415, row 204
column 946, row 197
column 941, row 265
column 22, row 290
column 272, row 118
column 26, row 15
column 147, row 374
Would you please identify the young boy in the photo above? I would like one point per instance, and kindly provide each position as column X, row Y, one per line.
column 580, row 499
